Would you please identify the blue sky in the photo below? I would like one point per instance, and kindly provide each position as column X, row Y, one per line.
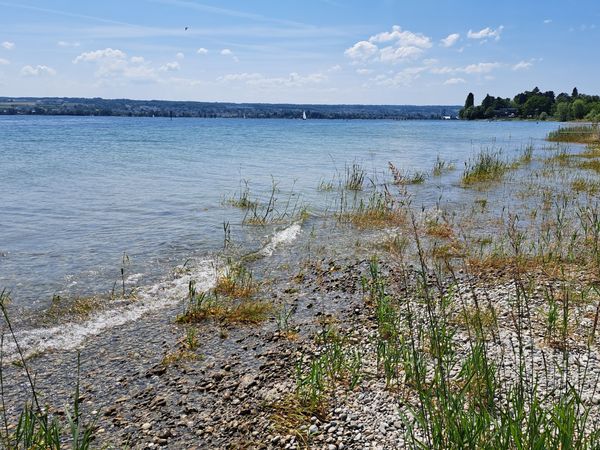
column 312, row 51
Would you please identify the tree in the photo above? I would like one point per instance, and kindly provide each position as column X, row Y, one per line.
column 575, row 93
column 578, row 109
column 470, row 101
column 488, row 102
column 562, row 111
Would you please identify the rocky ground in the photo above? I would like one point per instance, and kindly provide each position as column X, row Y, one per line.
column 145, row 389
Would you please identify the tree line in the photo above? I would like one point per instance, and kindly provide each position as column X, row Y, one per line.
column 535, row 104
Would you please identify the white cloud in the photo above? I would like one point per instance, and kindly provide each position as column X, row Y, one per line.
column 364, row 71
column 170, row 67
column 400, row 45
column 257, row 79
column 8, row 45
column 4, row 62
column 98, row 55
column 402, row 38
column 362, row 51
column 404, row 77
column 480, row 67
column 180, row 55
column 392, row 54
column 39, row 70
column 68, row 44
column 113, row 65
column 486, row 33
column 548, row 21
column 450, row 40
column 202, row 51
column 522, row 65
column 454, row 81
column 228, row 52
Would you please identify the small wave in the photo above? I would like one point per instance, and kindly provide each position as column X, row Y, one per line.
column 71, row 336
column 284, row 236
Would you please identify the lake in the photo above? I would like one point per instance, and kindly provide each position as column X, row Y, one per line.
column 82, row 197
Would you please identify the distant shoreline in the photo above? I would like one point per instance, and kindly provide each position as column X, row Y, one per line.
column 63, row 106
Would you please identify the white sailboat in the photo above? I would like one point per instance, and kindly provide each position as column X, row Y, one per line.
column 303, row 115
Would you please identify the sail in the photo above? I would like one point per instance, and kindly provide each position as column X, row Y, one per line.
column 303, row 115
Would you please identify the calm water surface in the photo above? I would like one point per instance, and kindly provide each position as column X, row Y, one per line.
column 77, row 193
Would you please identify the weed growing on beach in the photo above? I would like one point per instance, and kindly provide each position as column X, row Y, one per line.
column 34, row 427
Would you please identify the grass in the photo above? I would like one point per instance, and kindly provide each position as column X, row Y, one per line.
column 585, row 185
column 242, row 200
column 487, row 166
column 236, row 282
column 34, row 428
column 400, row 178
column 592, row 164
column 582, row 134
column 440, row 167
column 355, row 177
column 230, row 302
column 376, row 211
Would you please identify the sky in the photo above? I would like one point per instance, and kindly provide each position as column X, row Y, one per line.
column 288, row 51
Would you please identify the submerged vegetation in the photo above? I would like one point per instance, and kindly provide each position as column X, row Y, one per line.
column 582, row 134
column 488, row 165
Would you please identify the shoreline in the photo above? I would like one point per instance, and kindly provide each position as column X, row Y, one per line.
column 331, row 366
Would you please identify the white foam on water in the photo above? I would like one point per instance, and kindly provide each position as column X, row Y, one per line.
column 284, row 236
column 71, row 336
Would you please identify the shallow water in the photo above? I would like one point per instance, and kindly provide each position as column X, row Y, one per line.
column 76, row 193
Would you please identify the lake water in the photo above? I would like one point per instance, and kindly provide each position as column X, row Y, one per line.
column 77, row 193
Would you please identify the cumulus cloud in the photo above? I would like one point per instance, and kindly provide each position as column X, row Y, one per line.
column 4, row 62
column 113, row 64
column 402, row 38
column 522, row 65
column 202, row 51
column 400, row 45
column 450, row 81
column 228, row 52
column 37, row 71
column 68, row 44
column 8, row 45
column 450, row 40
column 180, row 55
column 99, row 55
column 170, row 67
column 486, row 33
column 362, row 51
column 404, row 77
column 257, row 79
column 479, row 68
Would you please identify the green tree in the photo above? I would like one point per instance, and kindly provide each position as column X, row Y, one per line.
column 470, row 101
column 562, row 111
column 578, row 109
column 575, row 93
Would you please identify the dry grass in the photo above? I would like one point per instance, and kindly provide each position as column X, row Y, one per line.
column 440, row 230
column 236, row 282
